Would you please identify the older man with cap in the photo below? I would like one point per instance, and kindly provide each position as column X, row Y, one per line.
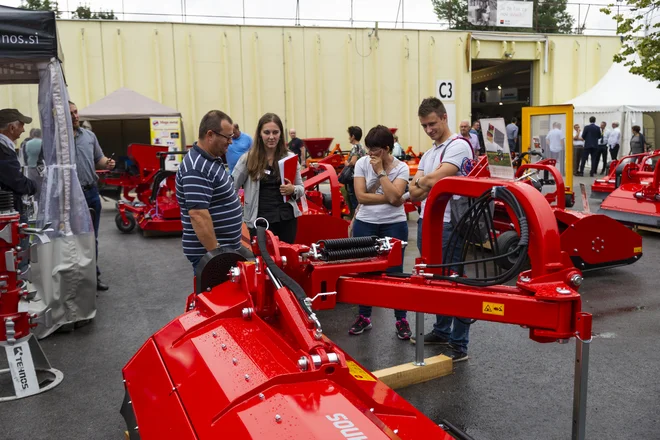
column 11, row 178
column 89, row 158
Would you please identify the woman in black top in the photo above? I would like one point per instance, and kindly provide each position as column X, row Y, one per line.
column 257, row 171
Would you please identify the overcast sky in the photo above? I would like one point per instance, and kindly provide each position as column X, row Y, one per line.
column 418, row 14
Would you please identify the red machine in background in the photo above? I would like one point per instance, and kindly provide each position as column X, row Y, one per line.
column 159, row 212
column 601, row 188
column 317, row 149
column 138, row 175
column 636, row 197
column 248, row 359
column 593, row 241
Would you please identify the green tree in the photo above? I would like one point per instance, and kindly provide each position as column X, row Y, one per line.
column 41, row 5
column 550, row 16
column 639, row 35
column 83, row 12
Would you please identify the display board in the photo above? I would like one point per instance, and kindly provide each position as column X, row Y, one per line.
column 166, row 131
column 497, row 148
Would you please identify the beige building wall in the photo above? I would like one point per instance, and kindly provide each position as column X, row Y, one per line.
column 319, row 80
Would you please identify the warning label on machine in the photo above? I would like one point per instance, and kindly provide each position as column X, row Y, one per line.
column 493, row 308
column 358, row 372
column 637, row 250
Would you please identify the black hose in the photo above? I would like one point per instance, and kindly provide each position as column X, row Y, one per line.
column 278, row 273
column 348, row 243
column 481, row 207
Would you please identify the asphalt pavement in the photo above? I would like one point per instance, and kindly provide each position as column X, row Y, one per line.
column 510, row 388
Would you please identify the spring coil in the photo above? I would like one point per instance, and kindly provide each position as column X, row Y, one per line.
column 349, row 254
column 6, row 201
column 348, row 243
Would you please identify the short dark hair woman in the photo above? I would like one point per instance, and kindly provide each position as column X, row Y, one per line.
column 380, row 182
column 257, row 172
column 637, row 141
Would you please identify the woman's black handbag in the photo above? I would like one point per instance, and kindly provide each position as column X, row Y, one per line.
column 346, row 175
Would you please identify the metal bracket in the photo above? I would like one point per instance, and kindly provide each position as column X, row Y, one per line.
column 5, row 234
column 10, row 261
column 45, row 318
column 9, row 331
column 39, row 233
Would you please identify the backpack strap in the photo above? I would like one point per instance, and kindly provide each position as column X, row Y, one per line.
column 454, row 139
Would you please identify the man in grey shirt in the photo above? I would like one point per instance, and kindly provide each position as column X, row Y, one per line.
column 89, row 158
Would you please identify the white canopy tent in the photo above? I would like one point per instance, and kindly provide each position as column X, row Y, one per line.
column 619, row 96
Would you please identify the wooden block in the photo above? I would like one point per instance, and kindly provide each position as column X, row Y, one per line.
column 401, row 376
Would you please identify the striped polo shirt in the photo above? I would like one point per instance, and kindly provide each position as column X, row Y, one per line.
column 203, row 183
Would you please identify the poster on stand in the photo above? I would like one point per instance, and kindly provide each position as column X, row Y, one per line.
column 497, row 148
column 166, row 131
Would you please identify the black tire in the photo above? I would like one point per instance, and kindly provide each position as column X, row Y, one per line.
column 570, row 200
column 123, row 227
column 506, row 242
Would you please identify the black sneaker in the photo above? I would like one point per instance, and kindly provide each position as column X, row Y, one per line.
column 456, row 355
column 433, row 339
column 403, row 329
column 361, row 324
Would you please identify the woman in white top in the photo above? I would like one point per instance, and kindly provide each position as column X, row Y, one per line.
column 380, row 181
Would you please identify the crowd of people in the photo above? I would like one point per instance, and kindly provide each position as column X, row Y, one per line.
column 212, row 216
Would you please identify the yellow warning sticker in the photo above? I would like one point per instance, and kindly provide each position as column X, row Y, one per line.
column 493, row 308
column 358, row 372
column 637, row 250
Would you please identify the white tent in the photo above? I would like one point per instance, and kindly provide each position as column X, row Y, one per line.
column 125, row 103
column 619, row 96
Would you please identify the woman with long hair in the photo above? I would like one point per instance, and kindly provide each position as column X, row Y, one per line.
column 258, row 173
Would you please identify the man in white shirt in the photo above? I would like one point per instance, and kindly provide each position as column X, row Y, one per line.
column 464, row 128
column 614, row 140
column 556, row 140
column 512, row 135
column 450, row 156
column 603, row 143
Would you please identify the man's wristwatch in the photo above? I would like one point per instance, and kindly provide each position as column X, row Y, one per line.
column 382, row 174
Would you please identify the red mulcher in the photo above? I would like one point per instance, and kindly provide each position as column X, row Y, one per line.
column 248, row 359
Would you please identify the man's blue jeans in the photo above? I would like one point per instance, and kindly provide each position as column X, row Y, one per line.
column 395, row 230
column 94, row 202
column 459, row 335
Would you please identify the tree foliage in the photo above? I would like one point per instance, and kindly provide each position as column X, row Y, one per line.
column 550, row 16
column 83, row 12
column 639, row 35
column 41, row 5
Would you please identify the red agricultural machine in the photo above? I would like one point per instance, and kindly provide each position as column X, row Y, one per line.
column 635, row 199
column 592, row 241
column 138, row 176
column 248, row 359
column 602, row 188
column 157, row 209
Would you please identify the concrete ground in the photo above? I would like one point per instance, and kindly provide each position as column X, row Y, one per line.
column 510, row 388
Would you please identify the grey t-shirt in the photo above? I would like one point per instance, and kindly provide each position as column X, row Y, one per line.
column 88, row 153
column 381, row 214
column 458, row 153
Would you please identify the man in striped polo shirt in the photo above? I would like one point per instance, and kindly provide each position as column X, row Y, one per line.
column 211, row 213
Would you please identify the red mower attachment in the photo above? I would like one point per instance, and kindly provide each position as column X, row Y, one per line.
column 593, row 241
column 249, row 360
column 160, row 211
column 139, row 175
column 601, row 188
column 636, row 197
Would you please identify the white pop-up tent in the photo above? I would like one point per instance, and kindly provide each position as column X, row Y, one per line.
column 619, row 96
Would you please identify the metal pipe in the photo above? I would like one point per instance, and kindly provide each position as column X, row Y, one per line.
column 580, row 388
column 419, row 340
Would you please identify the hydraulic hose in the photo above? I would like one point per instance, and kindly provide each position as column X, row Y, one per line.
column 278, row 273
column 469, row 223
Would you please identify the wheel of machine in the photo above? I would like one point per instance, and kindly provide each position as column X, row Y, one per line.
column 570, row 200
column 125, row 228
column 506, row 242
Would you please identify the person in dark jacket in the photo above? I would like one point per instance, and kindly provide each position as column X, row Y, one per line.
column 591, row 135
column 11, row 178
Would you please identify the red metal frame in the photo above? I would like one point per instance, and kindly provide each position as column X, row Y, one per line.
column 247, row 361
column 602, row 187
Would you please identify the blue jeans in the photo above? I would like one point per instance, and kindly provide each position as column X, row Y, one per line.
column 459, row 335
column 352, row 198
column 94, row 202
column 395, row 230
